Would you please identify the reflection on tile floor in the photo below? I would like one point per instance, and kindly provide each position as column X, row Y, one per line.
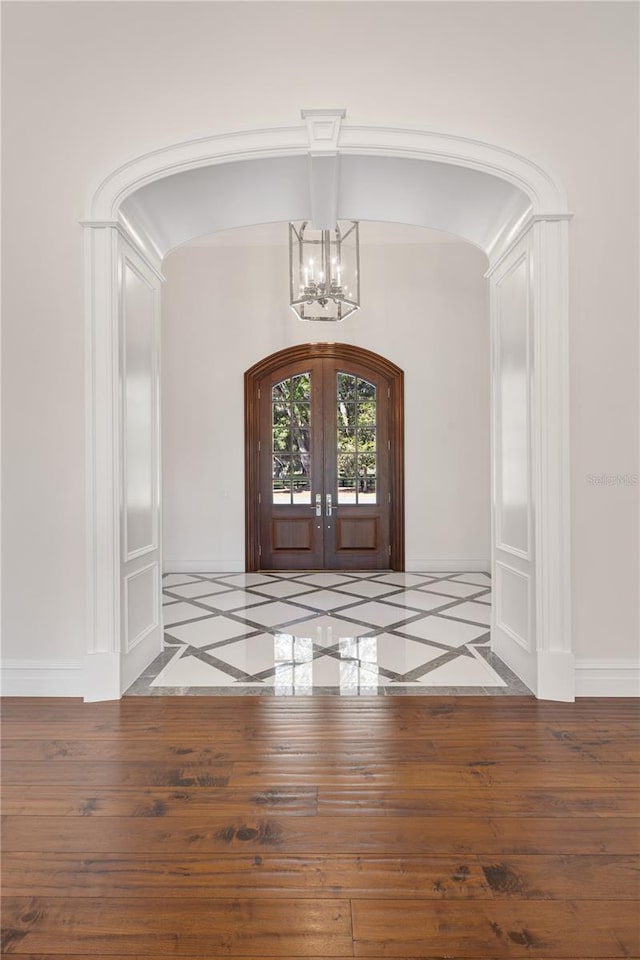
column 349, row 634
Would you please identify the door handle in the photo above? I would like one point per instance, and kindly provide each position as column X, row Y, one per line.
column 329, row 509
column 317, row 506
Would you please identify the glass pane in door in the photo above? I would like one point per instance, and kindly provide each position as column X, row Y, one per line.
column 291, row 440
column 356, row 440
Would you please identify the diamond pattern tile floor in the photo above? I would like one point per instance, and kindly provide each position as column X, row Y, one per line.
column 351, row 634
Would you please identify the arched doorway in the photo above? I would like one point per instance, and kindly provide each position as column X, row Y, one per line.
column 324, row 460
column 504, row 203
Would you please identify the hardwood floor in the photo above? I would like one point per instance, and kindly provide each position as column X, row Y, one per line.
column 320, row 827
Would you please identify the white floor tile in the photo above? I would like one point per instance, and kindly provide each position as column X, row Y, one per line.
column 479, row 612
column 325, row 630
column 379, row 614
column 326, row 600
column 191, row 672
column 232, row 600
column 203, row 632
column 398, row 654
column 252, row 654
column 368, row 588
column 282, row 588
column 244, row 579
column 322, row 579
column 405, row 579
column 483, row 579
column 178, row 612
column 453, row 588
column 173, row 579
column 463, row 672
column 194, row 591
column 421, row 600
column 272, row 614
column 444, row 631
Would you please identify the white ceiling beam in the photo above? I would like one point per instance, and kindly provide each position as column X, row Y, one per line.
column 323, row 187
column 323, row 129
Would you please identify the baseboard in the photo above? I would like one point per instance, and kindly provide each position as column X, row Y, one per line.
column 203, row 566
column 607, row 678
column 449, row 565
column 42, row 678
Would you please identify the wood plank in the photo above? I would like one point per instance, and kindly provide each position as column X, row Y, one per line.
column 78, row 801
column 264, row 875
column 579, row 877
column 483, row 801
column 469, row 752
column 281, row 772
column 309, row 835
column 438, row 706
column 178, row 928
column 484, row 928
column 331, row 721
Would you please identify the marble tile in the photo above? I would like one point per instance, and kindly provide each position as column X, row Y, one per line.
column 244, row 579
column 379, row 614
column 273, row 614
column 401, row 655
column 405, row 579
column 253, row 654
column 192, row 591
column 191, row 672
column 178, row 612
column 281, row 588
column 481, row 579
column 173, row 579
column 326, row 630
column 477, row 612
column 440, row 630
column 326, row 600
column 420, row 600
column 464, row 671
column 452, row 588
column 232, row 600
column 213, row 630
column 368, row 588
column 322, row 579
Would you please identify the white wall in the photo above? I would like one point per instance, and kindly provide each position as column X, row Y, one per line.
column 424, row 307
column 87, row 86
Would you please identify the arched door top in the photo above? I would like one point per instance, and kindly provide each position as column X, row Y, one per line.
column 346, row 352
column 324, row 460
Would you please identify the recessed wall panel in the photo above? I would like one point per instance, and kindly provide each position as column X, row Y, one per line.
column 513, row 598
column 513, row 420
column 141, row 604
column 140, row 387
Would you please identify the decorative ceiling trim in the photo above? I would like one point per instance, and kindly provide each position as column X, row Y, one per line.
column 544, row 190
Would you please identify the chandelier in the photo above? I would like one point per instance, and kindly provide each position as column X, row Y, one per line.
column 324, row 271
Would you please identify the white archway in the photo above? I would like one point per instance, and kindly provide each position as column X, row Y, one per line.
column 521, row 223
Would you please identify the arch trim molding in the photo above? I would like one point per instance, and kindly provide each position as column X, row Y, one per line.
column 545, row 191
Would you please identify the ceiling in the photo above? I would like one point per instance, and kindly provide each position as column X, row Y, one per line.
column 443, row 197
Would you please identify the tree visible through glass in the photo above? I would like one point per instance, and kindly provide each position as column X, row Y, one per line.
column 357, row 462
column 291, row 436
column 356, row 440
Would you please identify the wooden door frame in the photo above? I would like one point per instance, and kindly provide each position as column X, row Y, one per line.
column 346, row 353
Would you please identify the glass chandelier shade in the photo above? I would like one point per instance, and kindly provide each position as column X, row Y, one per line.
column 324, row 271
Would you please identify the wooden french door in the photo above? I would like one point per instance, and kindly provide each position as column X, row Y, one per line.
column 323, row 461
